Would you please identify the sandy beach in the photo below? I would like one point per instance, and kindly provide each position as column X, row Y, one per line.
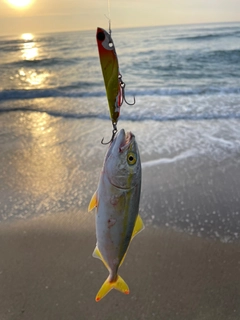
column 47, row 272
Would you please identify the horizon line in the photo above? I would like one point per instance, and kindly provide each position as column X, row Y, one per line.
column 120, row 28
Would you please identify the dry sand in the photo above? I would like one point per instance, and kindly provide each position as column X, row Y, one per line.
column 47, row 273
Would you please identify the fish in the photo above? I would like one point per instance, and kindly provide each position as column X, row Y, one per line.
column 114, row 84
column 117, row 201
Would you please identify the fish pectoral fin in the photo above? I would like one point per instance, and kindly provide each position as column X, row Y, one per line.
column 139, row 226
column 119, row 285
column 94, row 202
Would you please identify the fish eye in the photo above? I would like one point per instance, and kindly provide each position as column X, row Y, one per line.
column 100, row 36
column 131, row 158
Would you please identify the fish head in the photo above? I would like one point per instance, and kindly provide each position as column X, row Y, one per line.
column 122, row 163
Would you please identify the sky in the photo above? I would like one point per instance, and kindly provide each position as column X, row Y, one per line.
column 66, row 15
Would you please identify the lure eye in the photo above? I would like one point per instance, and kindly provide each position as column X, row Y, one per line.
column 100, row 36
column 110, row 44
column 131, row 158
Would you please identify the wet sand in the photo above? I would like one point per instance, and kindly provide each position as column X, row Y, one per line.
column 47, row 272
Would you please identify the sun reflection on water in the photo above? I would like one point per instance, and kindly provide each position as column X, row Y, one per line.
column 30, row 53
column 36, row 79
column 29, row 50
column 41, row 163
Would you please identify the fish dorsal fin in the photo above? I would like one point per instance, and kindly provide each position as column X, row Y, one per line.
column 139, row 226
column 94, row 202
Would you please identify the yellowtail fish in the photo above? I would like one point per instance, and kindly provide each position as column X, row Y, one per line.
column 117, row 201
column 110, row 69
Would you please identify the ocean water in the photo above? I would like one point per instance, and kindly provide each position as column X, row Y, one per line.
column 54, row 113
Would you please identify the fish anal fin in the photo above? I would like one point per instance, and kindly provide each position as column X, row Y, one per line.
column 94, row 202
column 139, row 226
column 119, row 285
column 97, row 254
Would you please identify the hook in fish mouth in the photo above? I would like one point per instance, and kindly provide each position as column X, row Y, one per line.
column 122, row 140
column 114, row 131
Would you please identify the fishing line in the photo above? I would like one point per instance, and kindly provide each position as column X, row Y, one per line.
column 114, row 85
column 109, row 17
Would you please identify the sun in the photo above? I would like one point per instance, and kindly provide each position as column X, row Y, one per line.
column 20, row 4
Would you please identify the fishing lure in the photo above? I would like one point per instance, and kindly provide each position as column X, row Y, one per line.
column 115, row 87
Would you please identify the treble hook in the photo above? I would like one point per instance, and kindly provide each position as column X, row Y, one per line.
column 114, row 131
column 122, row 85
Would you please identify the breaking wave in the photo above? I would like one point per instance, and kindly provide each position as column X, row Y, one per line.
column 210, row 36
column 72, row 91
column 128, row 117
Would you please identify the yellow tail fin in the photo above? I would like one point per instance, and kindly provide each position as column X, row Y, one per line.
column 119, row 285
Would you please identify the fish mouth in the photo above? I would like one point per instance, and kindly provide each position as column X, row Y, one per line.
column 123, row 140
column 120, row 143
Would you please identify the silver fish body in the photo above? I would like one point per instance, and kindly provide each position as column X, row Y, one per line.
column 117, row 200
